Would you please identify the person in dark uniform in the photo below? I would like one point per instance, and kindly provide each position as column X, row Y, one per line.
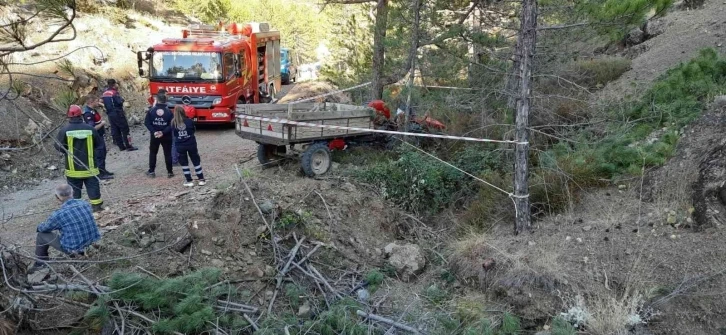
column 79, row 141
column 114, row 105
column 93, row 118
column 186, row 144
column 158, row 122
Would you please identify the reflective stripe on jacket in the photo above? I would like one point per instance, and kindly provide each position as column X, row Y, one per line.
column 77, row 141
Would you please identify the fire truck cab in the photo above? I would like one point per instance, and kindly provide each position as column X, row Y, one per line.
column 215, row 68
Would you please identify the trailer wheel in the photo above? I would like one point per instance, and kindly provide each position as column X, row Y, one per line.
column 316, row 160
column 273, row 92
column 267, row 154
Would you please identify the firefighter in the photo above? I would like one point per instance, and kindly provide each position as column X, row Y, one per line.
column 93, row 119
column 78, row 141
column 114, row 105
column 158, row 122
column 183, row 131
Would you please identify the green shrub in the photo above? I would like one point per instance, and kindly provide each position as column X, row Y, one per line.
column 374, row 279
column 416, row 182
column 675, row 99
column 595, row 73
column 436, row 295
column 183, row 304
column 562, row 327
column 510, row 325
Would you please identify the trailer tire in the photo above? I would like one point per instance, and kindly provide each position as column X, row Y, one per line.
column 266, row 154
column 316, row 160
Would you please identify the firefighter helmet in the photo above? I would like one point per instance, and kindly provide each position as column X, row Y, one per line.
column 75, row 111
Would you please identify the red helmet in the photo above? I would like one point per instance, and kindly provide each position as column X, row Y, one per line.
column 75, row 111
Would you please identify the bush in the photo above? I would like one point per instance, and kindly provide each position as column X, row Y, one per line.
column 183, row 304
column 595, row 73
column 647, row 133
column 416, row 182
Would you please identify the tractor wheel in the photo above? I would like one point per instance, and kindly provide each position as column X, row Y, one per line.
column 316, row 160
column 267, row 154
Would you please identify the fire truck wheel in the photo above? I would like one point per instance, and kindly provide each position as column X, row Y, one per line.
column 316, row 160
column 266, row 154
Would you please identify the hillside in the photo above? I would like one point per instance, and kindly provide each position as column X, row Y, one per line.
column 626, row 188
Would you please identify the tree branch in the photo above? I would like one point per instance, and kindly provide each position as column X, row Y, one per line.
column 69, row 23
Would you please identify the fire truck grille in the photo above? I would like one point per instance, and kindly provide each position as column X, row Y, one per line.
column 204, row 101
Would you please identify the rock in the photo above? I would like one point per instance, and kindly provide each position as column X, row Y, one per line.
column 260, row 230
column 348, row 187
column 269, row 271
column 568, row 238
column 407, row 259
column 671, row 219
column 653, row 28
column 267, row 206
column 719, row 101
column 488, row 264
column 252, row 253
column 217, row 263
column 134, row 120
column 52, row 168
column 146, row 241
column 206, row 252
column 531, row 243
column 268, row 295
column 304, row 310
column 219, row 242
column 579, row 240
column 363, row 295
column 586, row 228
column 634, row 37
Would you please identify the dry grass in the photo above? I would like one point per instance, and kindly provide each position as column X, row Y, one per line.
column 536, row 267
column 611, row 316
column 7, row 327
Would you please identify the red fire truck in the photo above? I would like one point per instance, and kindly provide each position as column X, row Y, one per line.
column 215, row 68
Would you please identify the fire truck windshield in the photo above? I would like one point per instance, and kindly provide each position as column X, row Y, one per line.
column 181, row 66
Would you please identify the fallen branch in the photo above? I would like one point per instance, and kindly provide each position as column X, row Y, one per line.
column 252, row 322
column 284, row 271
column 325, row 282
column 387, row 321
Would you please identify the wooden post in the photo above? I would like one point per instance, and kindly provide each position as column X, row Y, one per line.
column 525, row 54
column 379, row 49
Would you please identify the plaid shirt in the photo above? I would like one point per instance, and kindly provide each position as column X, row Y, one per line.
column 75, row 222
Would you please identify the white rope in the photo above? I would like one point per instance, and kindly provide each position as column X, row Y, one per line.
column 509, row 194
column 370, row 130
column 331, row 93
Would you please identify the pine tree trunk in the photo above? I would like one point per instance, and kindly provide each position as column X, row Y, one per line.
column 413, row 52
column 525, row 53
column 379, row 49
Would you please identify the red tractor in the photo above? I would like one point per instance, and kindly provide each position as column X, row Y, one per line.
column 213, row 69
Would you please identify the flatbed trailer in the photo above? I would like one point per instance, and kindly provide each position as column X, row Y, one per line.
column 261, row 123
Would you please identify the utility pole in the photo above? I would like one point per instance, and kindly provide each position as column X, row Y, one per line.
column 524, row 55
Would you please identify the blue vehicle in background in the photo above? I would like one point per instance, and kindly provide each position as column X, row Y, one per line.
column 288, row 66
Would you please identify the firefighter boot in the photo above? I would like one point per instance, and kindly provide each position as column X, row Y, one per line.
column 97, row 208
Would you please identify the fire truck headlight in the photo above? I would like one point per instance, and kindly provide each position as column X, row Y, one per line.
column 217, row 101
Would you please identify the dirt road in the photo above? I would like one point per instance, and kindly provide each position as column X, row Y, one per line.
column 219, row 147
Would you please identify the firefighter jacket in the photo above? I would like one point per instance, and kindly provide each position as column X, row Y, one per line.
column 77, row 140
column 112, row 101
column 159, row 119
